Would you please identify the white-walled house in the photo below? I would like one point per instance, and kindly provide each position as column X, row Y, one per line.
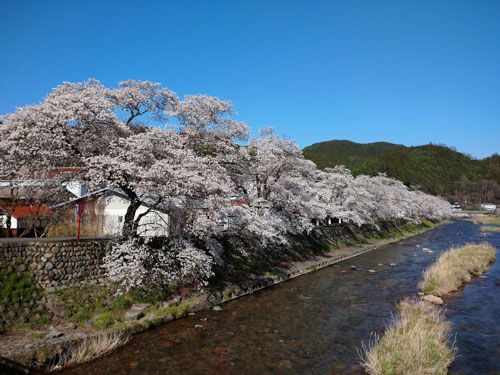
column 155, row 223
column 106, row 209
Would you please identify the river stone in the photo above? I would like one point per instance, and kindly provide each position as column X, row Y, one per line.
column 433, row 299
column 67, row 326
column 420, row 294
column 392, row 264
column 53, row 334
column 134, row 314
column 140, row 306
column 372, row 271
column 21, row 268
column 217, row 308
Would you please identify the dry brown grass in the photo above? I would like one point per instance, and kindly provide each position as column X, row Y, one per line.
column 90, row 348
column 416, row 342
column 455, row 267
column 490, row 228
column 69, row 229
column 486, row 219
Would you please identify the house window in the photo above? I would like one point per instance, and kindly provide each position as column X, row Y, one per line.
column 120, row 219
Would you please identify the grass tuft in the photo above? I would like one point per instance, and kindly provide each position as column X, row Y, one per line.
column 175, row 311
column 486, row 219
column 455, row 267
column 490, row 228
column 415, row 343
column 90, row 348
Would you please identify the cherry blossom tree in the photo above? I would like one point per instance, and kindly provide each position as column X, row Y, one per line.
column 191, row 159
column 277, row 184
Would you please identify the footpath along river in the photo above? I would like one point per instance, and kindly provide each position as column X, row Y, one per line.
column 315, row 324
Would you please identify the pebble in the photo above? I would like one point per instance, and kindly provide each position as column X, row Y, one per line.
column 217, row 308
column 392, row 264
column 372, row 271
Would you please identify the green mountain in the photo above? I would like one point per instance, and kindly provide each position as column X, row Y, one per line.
column 435, row 169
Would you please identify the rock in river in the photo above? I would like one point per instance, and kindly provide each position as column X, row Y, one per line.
column 433, row 299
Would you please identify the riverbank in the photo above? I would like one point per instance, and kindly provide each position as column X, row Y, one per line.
column 41, row 351
column 417, row 339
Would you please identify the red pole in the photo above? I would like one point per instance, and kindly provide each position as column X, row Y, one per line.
column 78, row 235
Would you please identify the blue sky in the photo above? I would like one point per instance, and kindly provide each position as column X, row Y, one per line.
column 408, row 72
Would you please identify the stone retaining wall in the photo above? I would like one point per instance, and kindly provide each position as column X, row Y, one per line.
column 54, row 264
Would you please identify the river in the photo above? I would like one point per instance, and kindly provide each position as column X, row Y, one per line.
column 315, row 324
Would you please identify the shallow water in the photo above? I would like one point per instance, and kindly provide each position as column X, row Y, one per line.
column 315, row 324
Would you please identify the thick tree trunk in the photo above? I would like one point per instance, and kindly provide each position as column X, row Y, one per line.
column 8, row 224
column 129, row 229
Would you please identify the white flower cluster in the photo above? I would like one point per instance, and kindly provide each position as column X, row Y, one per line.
column 192, row 161
column 132, row 264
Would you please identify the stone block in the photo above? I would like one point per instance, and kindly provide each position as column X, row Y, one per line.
column 134, row 314
column 53, row 334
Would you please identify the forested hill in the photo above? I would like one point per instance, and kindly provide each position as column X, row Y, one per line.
column 435, row 169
